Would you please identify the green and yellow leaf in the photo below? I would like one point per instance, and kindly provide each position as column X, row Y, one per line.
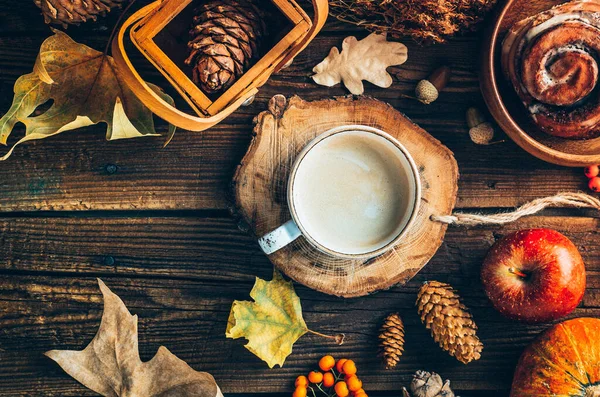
column 272, row 323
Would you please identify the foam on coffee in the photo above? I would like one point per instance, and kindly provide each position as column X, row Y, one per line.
column 352, row 192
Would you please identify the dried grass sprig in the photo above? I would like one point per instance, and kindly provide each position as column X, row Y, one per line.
column 426, row 21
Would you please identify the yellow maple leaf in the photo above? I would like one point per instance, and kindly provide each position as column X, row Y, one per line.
column 272, row 323
column 86, row 88
column 110, row 365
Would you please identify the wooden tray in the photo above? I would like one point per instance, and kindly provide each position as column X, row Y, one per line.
column 507, row 108
column 260, row 185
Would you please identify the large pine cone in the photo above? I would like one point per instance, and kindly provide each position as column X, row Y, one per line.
column 449, row 320
column 74, row 12
column 224, row 40
column 391, row 340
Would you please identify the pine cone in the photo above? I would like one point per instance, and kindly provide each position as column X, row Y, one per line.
column 428, row 384
column 450, row 321
column 73, row 12
column 391, row 340
column 224, row 41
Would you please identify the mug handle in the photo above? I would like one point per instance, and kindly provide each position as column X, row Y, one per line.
column 280, row 237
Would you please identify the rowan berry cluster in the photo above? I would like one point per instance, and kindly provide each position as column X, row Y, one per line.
column 592, row 172
column 332, row 379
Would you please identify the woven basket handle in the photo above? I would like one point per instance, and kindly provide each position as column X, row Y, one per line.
column 168, row 112
column 321, row 8
column 154, row 102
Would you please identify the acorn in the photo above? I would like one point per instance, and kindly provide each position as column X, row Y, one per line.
column 480, row 130
column 427, row 91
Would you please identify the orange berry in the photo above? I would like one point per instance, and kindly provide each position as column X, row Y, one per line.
column 354, row 384
column 341, row 389
column 301, row 381
column 328, row 379
column 315, row 377
column 360, row 393
column 300, row 392
column 326, row 363
column 340, row 364
column 349, row 368
column 594, row 184
column 591, row 171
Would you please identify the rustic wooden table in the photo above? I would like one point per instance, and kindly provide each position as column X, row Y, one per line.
column 154, row 224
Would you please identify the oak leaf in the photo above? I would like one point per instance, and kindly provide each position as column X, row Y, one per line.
column 273, row 322
column 366, row 59
column 86, row 89
column 110, row 365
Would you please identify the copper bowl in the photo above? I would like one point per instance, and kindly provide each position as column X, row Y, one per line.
column 506, row 107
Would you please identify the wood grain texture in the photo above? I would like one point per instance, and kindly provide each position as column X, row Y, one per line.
column 260, row 186
column 141, row 217
column 66, row 172
column 213, row 248
column 169, row 283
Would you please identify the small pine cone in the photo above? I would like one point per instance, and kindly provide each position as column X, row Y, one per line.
column 224, row 40
column 74, row 12
column 429, row 384
column 450, row 321
column 391, row 340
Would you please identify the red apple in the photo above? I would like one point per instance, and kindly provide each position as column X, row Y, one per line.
column 534, row 275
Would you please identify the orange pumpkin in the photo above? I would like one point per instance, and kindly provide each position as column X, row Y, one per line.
column 563, row 361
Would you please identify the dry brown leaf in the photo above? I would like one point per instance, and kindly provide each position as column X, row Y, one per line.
column 110, row 365
column 366, row 59
column 86, row 88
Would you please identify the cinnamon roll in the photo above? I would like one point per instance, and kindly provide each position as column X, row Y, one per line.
column 552, row 61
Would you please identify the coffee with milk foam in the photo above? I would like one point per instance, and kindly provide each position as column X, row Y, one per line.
column 352, row 192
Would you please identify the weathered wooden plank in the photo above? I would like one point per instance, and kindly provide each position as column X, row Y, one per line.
column 87, row 172
column 197, row 248
column 190, row 248
column 181, row 274
column 76, row 171
column 40, row 313
column 67, row 171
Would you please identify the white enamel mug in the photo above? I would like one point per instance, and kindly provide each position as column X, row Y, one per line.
column 378, row 184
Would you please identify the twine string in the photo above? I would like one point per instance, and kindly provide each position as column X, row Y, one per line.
column 574, row 200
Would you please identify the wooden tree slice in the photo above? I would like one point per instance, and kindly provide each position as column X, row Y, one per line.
column 260, row 185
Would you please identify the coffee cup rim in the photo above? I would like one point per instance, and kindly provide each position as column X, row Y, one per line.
column 417, row 194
